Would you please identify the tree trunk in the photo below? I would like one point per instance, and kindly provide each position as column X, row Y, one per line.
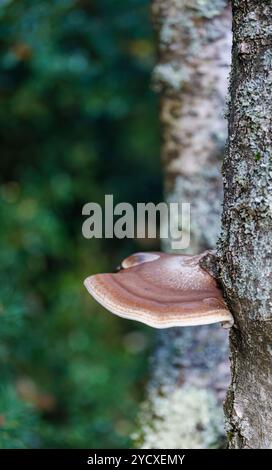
column 245, row 249
column 190, row 371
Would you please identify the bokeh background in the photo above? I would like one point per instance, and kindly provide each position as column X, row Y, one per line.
column 78, row 120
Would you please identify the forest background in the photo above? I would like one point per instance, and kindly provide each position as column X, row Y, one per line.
column 78, row 120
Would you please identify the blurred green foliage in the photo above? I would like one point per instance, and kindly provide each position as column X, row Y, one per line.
column 77, row 121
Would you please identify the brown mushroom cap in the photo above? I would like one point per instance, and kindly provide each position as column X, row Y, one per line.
column 139, row 258
column 161, row 290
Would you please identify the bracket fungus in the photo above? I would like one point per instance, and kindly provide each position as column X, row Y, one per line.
column 162, row 290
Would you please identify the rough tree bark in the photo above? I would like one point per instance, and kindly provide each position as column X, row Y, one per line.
column 245, row 249
column 190, row 370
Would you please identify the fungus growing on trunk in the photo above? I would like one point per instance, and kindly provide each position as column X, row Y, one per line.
column 162, row 290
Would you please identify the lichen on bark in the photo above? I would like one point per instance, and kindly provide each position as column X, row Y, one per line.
column 188, row 381
column 245, row 247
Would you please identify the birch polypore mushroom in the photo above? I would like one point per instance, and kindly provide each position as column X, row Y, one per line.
column 162, row 290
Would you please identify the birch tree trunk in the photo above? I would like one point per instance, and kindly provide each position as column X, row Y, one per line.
column 245, row 250
column 190, row 371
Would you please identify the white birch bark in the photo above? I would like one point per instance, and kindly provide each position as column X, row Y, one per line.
column 189, row 370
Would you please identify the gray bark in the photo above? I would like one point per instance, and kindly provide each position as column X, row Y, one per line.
column 245, row 249
column 190, row 370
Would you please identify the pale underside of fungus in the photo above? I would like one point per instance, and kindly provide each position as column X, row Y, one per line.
column 161, row 290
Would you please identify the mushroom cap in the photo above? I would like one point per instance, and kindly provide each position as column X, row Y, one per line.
column 139, row 258
column 161, row 290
